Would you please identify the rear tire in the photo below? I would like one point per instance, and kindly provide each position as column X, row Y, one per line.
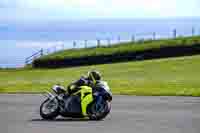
column 52, row 114
column 93, row 115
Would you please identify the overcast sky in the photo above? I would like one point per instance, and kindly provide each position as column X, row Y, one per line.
column 42, row 10
column 19, row 19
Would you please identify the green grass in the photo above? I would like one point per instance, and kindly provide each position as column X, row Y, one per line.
column 122, row 48
column 172, row 76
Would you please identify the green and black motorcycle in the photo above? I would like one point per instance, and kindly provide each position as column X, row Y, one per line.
column 84, row 103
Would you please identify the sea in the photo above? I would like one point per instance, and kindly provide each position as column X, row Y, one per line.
column 19, row 41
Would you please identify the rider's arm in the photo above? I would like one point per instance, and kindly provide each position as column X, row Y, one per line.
column 74, row 85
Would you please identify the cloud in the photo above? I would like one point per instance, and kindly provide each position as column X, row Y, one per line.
column 38, row 45
column 41, row 10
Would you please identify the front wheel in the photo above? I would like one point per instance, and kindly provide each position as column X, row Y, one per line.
column 101, row 113
column 49, row 109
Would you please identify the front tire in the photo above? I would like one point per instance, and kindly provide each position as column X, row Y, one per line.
column 94, row 115
column 49, row 109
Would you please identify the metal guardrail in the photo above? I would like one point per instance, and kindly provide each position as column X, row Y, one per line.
column 31, row 58
column 42, row 52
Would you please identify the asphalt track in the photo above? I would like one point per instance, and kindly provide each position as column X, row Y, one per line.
column 20, row 114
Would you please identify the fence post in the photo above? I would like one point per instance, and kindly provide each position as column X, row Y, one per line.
column 193, row 31
column 98, row 43
column 174, row 33
column 119, row 39
column 74, row 44
column 109, row 43
column 26, row 62
column 199, row 32
column 55, row 49
column 48, row 51
column 85, row 43
column 34, row 58
column 133, row 38
column 154, row 35
column 41, row 52
column 63, row 46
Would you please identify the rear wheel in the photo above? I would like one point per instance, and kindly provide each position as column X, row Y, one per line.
column 49, row 109
column 95, row 113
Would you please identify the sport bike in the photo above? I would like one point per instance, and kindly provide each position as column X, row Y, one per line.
column 82, row 103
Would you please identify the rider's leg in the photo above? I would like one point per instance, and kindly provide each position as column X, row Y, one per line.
column 84, row 103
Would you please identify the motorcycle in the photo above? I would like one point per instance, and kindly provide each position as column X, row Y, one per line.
column 83, row 103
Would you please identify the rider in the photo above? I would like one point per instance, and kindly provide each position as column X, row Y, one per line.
column 92, row 79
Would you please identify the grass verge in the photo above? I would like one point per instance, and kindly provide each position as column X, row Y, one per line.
column 162, row 77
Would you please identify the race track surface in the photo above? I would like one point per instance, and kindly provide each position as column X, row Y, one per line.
column 20, row 114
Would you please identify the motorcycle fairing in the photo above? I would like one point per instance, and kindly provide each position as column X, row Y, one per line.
column 86, row 98
column 73, row 106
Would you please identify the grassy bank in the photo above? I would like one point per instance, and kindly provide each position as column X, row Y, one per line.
column 123, row 52
column 123, row 47
column 172, row 76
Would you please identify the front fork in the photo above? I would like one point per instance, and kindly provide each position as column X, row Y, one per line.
column 49, row 95
column 98, row 102
column 52, row 96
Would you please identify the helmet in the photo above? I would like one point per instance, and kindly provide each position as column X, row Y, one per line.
column 94, row 76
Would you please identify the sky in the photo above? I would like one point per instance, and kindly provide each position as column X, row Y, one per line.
column 38, row 11
column 31, row 22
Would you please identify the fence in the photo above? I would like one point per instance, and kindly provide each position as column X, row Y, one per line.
column 105, row 42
